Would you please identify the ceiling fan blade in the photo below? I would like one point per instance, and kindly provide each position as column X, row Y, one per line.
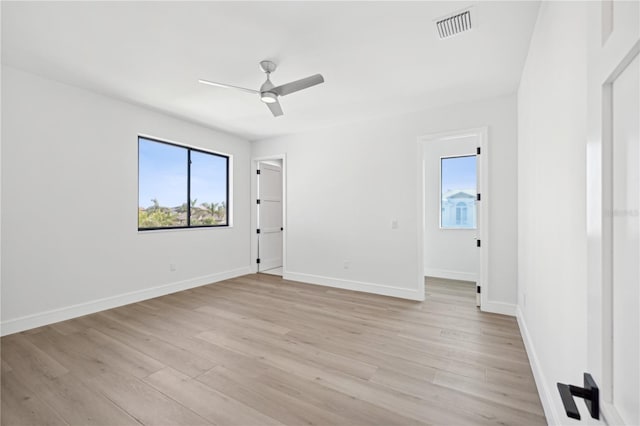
column 228, row 86
column 294, row 86
column 275, row 108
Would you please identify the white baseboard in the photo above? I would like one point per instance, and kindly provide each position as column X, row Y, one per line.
column 499, row 308
column 451, row 275
column 381, row 289
column 541, row 383
column 61, row 314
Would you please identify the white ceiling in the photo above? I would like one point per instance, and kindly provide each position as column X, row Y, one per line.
column 377, row 58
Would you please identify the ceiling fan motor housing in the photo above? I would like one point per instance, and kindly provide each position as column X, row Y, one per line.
column 265, row 95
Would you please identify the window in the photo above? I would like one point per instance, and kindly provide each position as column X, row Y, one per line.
column 461, row 213
column 180, row 187
column 458, row 192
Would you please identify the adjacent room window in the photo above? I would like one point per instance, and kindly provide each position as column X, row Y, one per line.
column 461, row 213
column 458, row 192
column 181, row 187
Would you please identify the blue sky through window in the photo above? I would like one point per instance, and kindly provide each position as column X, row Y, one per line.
column 459, row 173
column 208, row 178
column 162, row 175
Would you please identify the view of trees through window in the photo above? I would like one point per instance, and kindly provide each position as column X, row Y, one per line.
column 458, row 192
column 180, row 187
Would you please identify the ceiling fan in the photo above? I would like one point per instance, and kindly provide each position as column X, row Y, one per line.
column 269, row 93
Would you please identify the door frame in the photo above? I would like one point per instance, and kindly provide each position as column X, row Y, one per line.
column 254, row 210
column 600, row 225
column 483, row 209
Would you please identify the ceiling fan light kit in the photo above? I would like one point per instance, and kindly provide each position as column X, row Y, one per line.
column 269, row 93
column 268, row 97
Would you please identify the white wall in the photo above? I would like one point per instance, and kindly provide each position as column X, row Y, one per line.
column 70, row 243
column 345, row 186
column 552, row 281
column 448, row 253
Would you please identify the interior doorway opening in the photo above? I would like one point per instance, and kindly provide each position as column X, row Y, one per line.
column 453, row 213
column 453, row 292
column 269, row 215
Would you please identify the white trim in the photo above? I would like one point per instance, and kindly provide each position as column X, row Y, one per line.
column 384, row 290
column 609, row 413
column 553, row 418
column 61, row 314
column 451, row 275
column 501, row 308
column 482, row 133
column 483, row 224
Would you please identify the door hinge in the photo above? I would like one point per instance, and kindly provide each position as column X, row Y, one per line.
column 478, row 150
column 281, row 228
column 257, row 201
column 257, row 231
column 258, row 260
column 258, row 171
column 478, row 289
column 478, row 198
column 478, row 243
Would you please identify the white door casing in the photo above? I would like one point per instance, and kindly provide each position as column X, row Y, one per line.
column 269, row 217
column 613, row 161
column 625, row 280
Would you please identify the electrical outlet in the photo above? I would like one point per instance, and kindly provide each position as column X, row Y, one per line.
column 394, row 224
column 172, row 267
column 347, row 264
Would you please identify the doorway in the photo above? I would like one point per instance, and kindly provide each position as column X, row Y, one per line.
column 453, row 213
column 269, row 216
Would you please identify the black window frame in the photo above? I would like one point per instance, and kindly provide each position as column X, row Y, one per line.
column 189, row 150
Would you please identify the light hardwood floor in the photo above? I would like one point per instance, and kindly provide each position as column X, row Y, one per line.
column 258, row 350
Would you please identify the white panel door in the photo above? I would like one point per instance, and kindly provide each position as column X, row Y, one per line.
column 613, row 221
column 269, row 216
column 626, row 243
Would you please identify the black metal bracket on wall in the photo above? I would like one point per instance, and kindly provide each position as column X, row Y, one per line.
column 590, row 393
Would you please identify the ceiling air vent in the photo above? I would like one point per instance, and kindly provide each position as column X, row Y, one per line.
column 454, row 24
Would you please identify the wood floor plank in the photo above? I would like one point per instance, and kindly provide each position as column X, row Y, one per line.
column 153, row 346
column 21, row 406
column 474, row 405
column 143, row 402
column 260, row 350
column 23, row 356
column 76, row 402
column 355, row 410
column 520, row 400
column 215, row 406
column 5, row 368
column 268, row 400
